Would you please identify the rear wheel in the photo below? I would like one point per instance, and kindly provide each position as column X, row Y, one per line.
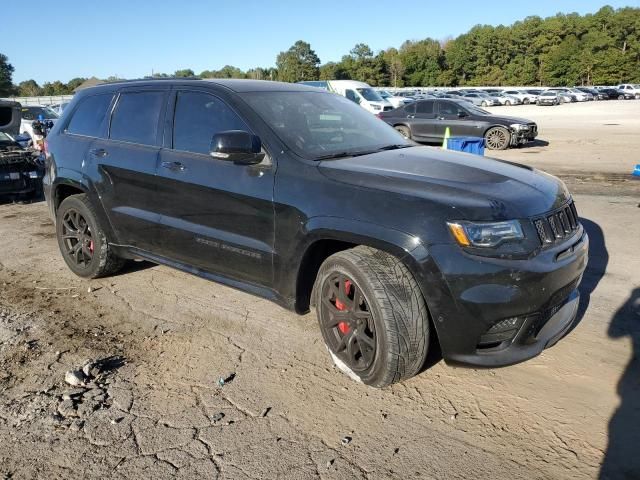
column 620, row 97
column 497, row 138
column 404, row 131
column 526, row 101
column 483, row 104
column 83, row 244
column 372, row 316
column 508, row 103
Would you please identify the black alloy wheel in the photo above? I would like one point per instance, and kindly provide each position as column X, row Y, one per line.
column 77, row 239
column 347, row 323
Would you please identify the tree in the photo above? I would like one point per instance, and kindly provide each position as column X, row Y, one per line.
column 29, row 88
column 185, row 72
column 298, row 63
column 6, row 77
column 75, row 83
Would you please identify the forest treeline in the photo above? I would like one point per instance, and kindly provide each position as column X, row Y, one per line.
column 602, row 48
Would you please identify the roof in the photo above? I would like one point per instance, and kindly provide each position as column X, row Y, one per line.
column 91, row 82
column 234, row 84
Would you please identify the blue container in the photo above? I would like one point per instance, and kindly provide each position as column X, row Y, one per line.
column 636, row 171
column 473, row 145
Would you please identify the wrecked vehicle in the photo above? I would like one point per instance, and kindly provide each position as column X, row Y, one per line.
column 21, row 171
column 302, row 197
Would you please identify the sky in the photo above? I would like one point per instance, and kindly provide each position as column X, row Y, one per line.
column 130, row 39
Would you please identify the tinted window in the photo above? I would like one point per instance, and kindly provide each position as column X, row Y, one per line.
column 136, row 117
column 425, row 108
column 34, row 113
column 449, row 108
column 89, row 115
column 411, row 108
column 198, row 117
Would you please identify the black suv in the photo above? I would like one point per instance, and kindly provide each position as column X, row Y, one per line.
column 427, row 121
column 302, row 197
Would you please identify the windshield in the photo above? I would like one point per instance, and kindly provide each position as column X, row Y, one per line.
column 369, row 94
column 548, row 94
column 33, row 113
column 5, row 138
column 316, row 125
column 384, row 94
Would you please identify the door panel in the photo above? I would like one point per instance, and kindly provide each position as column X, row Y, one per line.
column 214, row 215
column 458, row 126
column 423, row 123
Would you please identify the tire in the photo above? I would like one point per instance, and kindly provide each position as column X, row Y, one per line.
column 497, row 138
column 620, row 97
column 526, row 101
column 404, row 131
column 560, row 101
column 77, row 224
column 382, row 305
column 508, row 103
column 483, row 104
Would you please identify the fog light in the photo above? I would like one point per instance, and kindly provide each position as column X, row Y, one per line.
column 502, row 331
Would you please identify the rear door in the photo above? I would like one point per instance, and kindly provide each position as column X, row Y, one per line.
column 214, row 215
column 424, row 122
column 127, row 160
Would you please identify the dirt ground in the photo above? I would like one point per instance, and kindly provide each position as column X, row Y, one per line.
column 155, row 406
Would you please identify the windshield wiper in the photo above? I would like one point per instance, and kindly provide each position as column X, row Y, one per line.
column 346, row 154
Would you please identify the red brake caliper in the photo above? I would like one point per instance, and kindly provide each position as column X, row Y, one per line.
column 91, row 246
column 343, row 326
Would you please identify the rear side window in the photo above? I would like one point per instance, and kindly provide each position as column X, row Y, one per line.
column 198, row 117
column 425, row 107
column 89, row 115
column 136, row 117
column 411, row 108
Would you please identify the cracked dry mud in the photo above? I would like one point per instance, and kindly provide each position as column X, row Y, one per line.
column 162, row 414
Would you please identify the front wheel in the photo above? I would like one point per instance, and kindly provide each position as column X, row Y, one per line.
column 372, row 316
column 83, row 244
column 483, row 104
column 526, row 101
column 497, row 138
column 620, row 97
column 404, row 131
column 508, row 103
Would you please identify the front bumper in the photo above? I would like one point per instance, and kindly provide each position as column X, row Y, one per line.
column 20, row 181
column 539, row 293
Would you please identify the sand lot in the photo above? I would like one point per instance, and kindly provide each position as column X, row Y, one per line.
column 158, row 411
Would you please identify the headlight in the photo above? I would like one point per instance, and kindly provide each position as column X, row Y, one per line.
column 518, row 126
column 485, row 234
column 377, row 107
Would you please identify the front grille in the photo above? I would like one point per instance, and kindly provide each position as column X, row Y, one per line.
column 385, row 109
column 558, row 225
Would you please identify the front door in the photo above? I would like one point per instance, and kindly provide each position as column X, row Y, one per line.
column 214, row 215
column 457, row 119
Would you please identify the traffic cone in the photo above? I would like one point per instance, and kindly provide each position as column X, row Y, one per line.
column 447, row 134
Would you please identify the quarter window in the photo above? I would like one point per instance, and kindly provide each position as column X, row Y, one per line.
column 198, row 117
column 136, row 117
column 88, row 117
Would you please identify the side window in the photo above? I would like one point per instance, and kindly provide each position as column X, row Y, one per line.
column 136, row 117
column 448, row 108
column 198, row 117
column 351, row 95
column 411, row 108
column 88, row 117
column 425, row 108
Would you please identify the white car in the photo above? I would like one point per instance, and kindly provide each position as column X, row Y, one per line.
column 630, row 88
column 526, row 97
column 580, row 95
column 31, row 113
column 505, row 99
column 395, row 100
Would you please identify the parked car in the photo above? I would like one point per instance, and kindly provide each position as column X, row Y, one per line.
column 593, row 92
column 564, row 94
column 630, row 88
column 59, row 107
column 581, row 95
column 427, row 121
column 20, row 172
column 505, row 99
column 615, row 94
column 360, row 93
column 32, row 113
column 481, row 100
column 394, row 100
column 523, row 95
column 301, row 197
column 548, row 98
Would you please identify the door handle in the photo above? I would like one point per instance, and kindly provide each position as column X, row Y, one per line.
column 411, row 116
column 98, row 152
column 174, row 166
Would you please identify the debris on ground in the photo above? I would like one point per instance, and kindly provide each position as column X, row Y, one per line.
column 222, row 381
column 346, row 440
column 216, row 417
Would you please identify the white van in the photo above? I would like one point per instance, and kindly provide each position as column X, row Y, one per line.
column 358, row 92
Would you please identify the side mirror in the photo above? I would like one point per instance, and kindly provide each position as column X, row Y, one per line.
column 237, row 146
column 462, row 114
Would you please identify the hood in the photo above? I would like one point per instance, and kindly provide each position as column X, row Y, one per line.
column 510, row 120
column 474, row 187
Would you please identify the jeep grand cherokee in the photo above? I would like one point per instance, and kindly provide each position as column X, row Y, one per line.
column 302, row 197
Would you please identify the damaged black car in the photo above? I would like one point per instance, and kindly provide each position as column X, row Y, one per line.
column 21, row 169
